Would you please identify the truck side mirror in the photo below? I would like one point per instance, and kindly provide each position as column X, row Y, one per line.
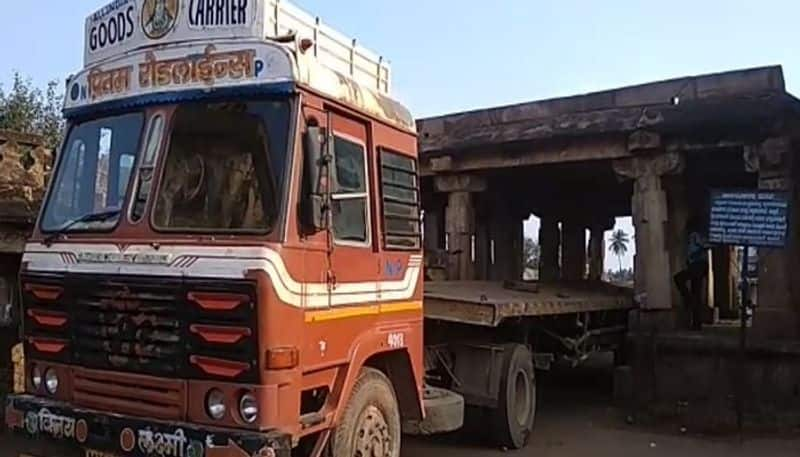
column 316, row 161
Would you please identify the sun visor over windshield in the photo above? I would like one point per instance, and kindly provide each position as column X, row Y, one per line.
column 201, row 67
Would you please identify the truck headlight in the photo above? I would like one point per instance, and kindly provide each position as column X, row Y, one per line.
column 248, row 408
column 36, row 377
column 51, row 381
column 215, row 404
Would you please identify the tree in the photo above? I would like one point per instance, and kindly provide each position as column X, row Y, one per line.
column 618, row 244
column 531, row 253
column 27, row 109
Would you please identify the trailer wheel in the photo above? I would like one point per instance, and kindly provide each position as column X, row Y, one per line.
column 370, row 425
column 514, row 417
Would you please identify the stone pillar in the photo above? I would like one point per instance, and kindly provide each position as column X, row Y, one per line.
column 724, row 282
column 483, row 242
column 459, row 226
column 550, row 246
column 649, row 206
column 573, row 260
column 517, row 230
column 499, row 230
column 777, row 315
column 460, row 222
column 507, row 233
column 677, row 238
column 434, row 233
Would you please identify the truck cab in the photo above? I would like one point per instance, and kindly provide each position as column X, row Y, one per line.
column 228, row 259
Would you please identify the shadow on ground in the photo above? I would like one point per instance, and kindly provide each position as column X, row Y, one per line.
column 576, row 418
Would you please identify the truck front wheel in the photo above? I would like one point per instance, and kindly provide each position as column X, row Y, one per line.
column 370, row 425
column 516, row 410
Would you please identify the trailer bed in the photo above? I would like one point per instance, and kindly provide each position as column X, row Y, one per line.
column 488, row 303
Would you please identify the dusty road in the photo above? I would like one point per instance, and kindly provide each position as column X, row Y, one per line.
column 575, row 420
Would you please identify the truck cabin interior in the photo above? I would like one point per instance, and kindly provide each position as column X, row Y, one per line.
column 216, row 175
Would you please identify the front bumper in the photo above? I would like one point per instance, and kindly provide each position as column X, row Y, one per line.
column 54, row 429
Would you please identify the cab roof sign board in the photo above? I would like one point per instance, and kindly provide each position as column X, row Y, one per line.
column 125, row 25
column 141, row 52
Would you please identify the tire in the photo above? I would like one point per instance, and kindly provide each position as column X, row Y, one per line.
column 515, row 415
column 370, row 424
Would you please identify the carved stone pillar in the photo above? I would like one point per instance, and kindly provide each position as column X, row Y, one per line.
column 650, row 214
column 550, row 247
column 460, row 222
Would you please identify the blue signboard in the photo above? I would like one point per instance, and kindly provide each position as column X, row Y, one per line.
column 749, row 218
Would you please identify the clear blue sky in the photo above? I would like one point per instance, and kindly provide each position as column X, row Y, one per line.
column 452, row 55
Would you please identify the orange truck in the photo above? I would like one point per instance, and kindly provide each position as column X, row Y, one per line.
column 228, row 261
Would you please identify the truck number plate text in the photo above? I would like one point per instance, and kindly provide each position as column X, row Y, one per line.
column 397, row 340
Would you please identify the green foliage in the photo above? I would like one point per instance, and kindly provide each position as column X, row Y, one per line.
column 27, row 109
column 531, row 253
column 623, row 276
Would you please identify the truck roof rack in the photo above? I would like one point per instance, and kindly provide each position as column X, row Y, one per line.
column 330, row 47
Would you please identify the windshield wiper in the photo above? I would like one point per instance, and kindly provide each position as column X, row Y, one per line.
column 93, row 217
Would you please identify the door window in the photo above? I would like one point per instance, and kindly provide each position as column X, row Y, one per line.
column 350, row 194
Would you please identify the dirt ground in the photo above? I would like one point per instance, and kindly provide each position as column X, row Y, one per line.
column 575, row 420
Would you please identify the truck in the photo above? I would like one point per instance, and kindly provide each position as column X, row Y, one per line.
column 228, row 261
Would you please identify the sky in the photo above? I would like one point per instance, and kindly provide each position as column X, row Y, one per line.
column 450, row 55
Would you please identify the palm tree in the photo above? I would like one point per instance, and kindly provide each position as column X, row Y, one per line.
column 619, row 245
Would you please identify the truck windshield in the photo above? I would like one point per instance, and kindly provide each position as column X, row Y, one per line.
column 93, row 174
column 224, row 164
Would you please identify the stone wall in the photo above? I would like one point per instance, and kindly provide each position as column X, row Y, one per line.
column 699, row 381
column 24, row 167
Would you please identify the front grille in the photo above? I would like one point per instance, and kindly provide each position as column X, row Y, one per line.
column 132, row 325
column 145, row 325
column 134, row 341
column 134, row 394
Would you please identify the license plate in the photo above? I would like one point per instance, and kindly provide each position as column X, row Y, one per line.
column 93, row 453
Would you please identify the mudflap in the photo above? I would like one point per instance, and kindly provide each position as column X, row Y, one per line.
column 444, row 412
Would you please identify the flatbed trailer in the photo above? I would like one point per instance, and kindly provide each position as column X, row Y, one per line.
column 490, row 303
column 485, row 340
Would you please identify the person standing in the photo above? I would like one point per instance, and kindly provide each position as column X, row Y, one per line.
column 690, row 280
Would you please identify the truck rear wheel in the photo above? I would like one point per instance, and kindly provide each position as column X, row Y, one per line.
column 370, row 425
column 514, row 416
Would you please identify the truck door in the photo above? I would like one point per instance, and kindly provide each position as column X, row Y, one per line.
column 355, row 264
